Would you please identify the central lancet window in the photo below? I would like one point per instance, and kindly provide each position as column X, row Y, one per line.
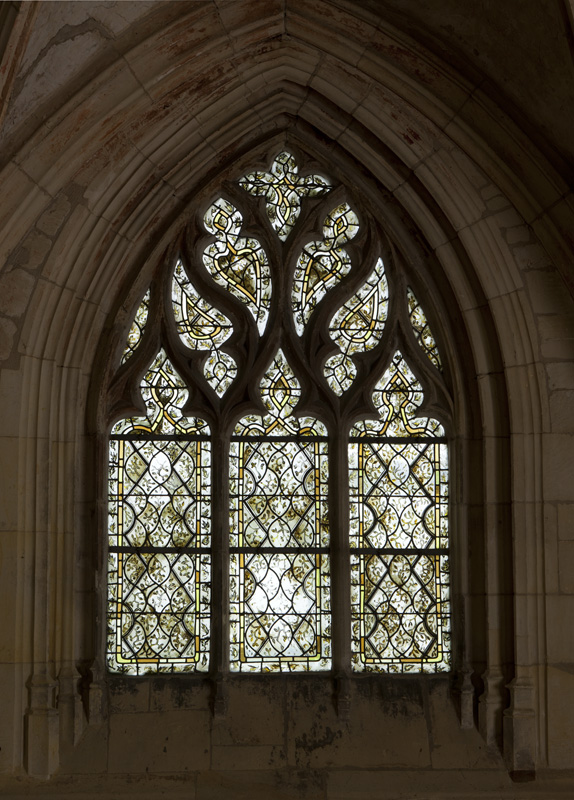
column 283, row 436
column 279, row 534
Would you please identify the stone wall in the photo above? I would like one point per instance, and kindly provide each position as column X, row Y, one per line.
column 117, row 117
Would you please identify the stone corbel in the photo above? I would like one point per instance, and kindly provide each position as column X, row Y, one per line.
column 491, row 706
column 71, row 710
column 520, row 730
column 467, row 695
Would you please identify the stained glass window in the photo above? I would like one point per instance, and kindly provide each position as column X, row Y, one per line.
column 357, row 327
column 279, row 537
column 137, row 328
column 422, row 329
column 203, row 327
column 398, row 475
column 322, row 264
column 159, row 545
column 238, row 263
column 283, row 189
column 285, row 438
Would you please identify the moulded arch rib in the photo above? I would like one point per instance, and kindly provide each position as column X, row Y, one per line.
column 141, row 142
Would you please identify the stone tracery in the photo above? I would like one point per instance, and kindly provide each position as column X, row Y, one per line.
column 280, row 517
column 104, row 172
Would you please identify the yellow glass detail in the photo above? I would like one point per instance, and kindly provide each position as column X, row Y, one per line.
column 237, row 263
column 321, row 265
column 422, row 330
column 283, row 189
column 137, row 328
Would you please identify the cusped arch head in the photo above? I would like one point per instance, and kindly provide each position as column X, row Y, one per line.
column 403, row 242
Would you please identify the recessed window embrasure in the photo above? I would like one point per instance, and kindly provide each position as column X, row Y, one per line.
column 288, row 351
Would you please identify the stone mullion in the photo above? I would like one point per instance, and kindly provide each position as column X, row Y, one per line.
column 220, row 563
column 340, row 567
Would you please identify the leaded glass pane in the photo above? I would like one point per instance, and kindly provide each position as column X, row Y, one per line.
column 164, row 395
column 321, row 265
column 279, row 589
column 422, row 329
column 203, row 327
column 220, row 370
column 401, row 612
column 356, row 327
column 398, row 492
column 279, row 536
column 280, row 392
column 164, row 489
column 283, row 491
column 340, row 372
column 283, row 189
column 199, row 324
column 160, row 619
column 397, row 397
column 279, row 612
column 237, row 263
column 159, row 534
column 137, row 328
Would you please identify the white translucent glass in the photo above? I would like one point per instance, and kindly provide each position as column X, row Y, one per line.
column 422, row 329
column 397, row 397
column 357, row 327
column 322, row 264
column 137, row 328
column 279, row 535
column 237, row 263
column 283, row 189
column 159, row 533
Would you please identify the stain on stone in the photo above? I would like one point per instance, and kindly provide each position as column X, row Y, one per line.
column 32, row 251
column 7, row 331
column 15, row 290
column 318, row 737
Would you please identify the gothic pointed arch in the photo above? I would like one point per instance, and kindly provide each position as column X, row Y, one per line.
column 308, row 333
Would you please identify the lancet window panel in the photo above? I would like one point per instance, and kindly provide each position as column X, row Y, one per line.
column 325, row 306
column 279, row 564
column 159, row 533
column 399, row 538
column 399, row 562
column 279, row 534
